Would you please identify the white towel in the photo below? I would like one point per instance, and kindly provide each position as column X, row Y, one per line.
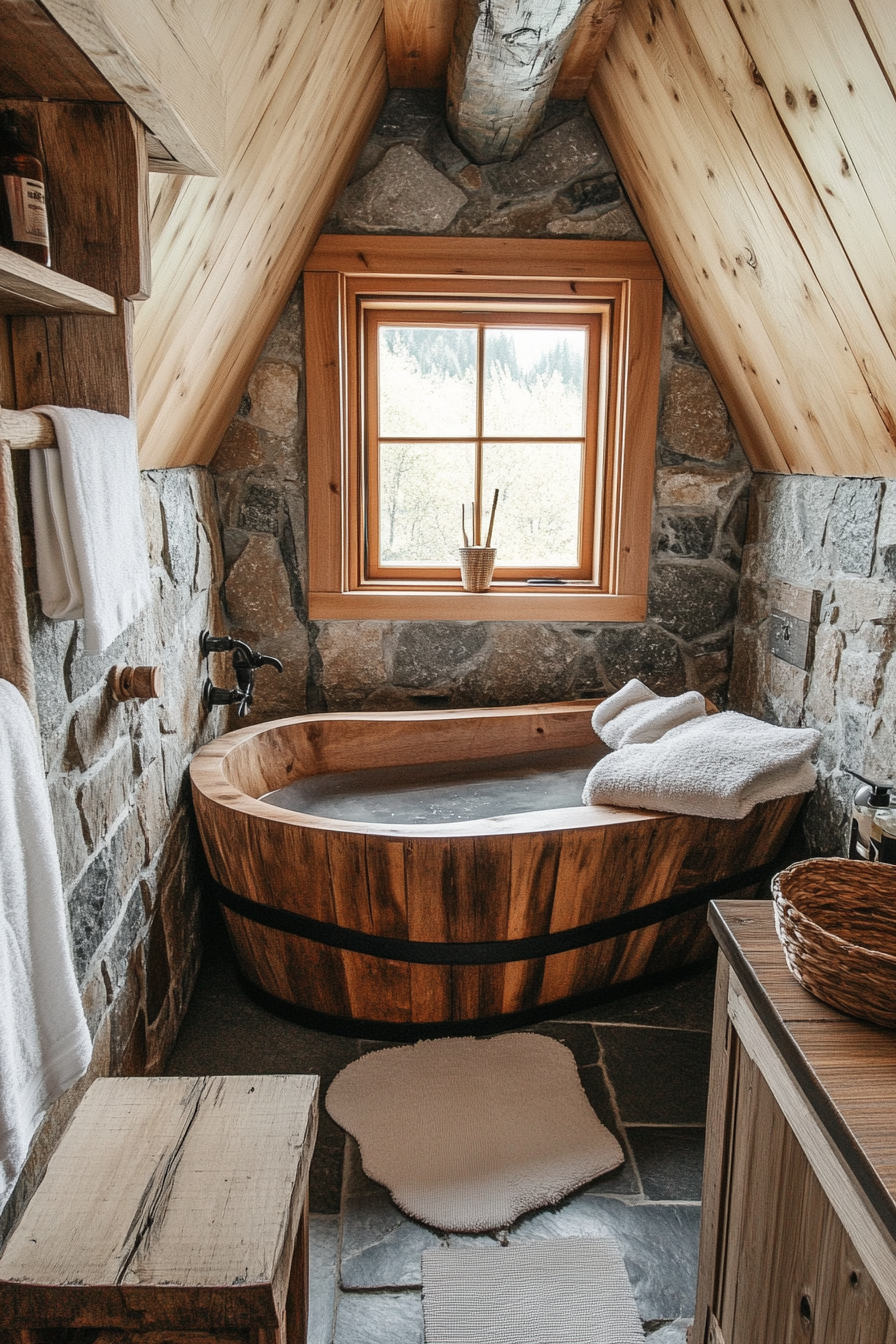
column 719, row 766
column 92, row 558
column 44, row 1042
column 638, row 714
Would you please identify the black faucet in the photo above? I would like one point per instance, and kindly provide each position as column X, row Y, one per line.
column 246, row 663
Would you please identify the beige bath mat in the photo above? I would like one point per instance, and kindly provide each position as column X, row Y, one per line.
column 571, row 1291
column 468, row 1135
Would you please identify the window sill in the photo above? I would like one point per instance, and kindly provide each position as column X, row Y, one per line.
column 557, row 604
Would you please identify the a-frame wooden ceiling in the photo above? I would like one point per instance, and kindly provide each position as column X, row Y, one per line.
column 756, row 140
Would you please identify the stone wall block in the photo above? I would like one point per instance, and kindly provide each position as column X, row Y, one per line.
column 51, row 645
column 274, row 395
column 523, row 662
column 94, row 728
column 861, row 676
column 435, row 653
column 691, row 535
column 749, row 671
column 403, row 193
column 257, row 590
column 852, row 530
column 70, row 840
column 554, row 159
column 158, row 969
column 699, row 487
column 692, row 600
column 644, row 651
column 152, row 518
column 617, row 223
column 821, row 702
column 179, row 520
column 352, row 661
column 861, row 600
column 152, row 808
column 104, row 792
column 409, row 115
column 239, row 450
column 694, row 421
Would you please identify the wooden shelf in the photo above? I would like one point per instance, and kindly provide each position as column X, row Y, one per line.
column 27, row 289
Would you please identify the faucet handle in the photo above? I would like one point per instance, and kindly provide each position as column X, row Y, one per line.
column 266, row 660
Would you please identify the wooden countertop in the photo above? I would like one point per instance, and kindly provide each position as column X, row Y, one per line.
column 844, row 1068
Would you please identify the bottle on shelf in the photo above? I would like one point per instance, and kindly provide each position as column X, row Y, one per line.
column 872, row 810
column 24, row 227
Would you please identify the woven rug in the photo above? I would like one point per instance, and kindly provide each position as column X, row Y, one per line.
column 573, row 1291
column 468, row 1135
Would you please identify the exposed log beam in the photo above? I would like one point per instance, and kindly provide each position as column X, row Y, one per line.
column 505, row 57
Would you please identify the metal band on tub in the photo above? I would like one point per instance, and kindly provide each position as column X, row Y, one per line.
column 486, row 953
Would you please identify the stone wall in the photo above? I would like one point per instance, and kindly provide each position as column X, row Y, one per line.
column 837, row 536
column 120, row 798
column 411, row 178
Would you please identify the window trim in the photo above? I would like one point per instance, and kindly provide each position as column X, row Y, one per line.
column 344, row 268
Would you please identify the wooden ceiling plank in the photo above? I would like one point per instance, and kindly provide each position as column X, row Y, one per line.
column 817, row 404
column 196, row 348
column 589, row 42
column 229, row 223
column 418, row 39
column 694, row 290
column 156, row 56
column 730, row 65
column 878, row 18
column 839, row 111
column 687, row 189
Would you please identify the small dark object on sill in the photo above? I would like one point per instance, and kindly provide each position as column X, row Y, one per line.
column 546, row 580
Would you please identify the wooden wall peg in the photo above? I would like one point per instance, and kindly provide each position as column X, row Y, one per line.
column 135, row 683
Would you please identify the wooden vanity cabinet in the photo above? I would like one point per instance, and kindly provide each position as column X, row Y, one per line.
column 798, row 1240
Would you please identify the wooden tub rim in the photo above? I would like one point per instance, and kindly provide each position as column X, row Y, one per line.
column 209, row 778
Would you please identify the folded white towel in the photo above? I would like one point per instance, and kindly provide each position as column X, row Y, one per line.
column 92, row 559
column 44, row 1042
column 638, row 714
column 718, row 766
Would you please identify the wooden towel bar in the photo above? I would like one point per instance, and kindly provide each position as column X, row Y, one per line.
column 26, row 429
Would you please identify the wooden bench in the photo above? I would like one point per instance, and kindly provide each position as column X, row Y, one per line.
column 173, row 1209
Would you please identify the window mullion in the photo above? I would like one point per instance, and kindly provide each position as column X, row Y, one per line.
column 480, row 396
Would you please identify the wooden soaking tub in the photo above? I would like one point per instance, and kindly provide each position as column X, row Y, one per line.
column 376, row 897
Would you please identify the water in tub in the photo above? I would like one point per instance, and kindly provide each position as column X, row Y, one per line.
column 443, row 791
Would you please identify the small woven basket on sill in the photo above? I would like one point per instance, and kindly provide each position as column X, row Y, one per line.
column 477, row 565
column 836, row 919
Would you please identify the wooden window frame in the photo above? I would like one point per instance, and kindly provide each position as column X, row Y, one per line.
column 345, row 270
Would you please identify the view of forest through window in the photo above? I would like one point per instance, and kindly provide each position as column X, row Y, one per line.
column 507, row 409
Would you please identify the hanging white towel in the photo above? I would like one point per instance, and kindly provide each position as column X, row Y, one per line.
column 92, row 559
column 718, row 766
column 44, row 1042
column 638, row 714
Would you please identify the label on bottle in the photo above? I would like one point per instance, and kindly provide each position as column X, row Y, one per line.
column 27, row 210
column 883, row 849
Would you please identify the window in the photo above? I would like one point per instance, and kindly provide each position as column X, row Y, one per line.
column 441, row 370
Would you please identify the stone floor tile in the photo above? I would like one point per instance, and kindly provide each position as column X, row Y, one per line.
column 381, row 1247
column 685, row 1002
column 670, row 1332
column 323, row 1242
column 621, row 1180
column 659, row 1077
column 658, row 1243
column 379, row 1318
column 578, row 1037
column 669, row 1161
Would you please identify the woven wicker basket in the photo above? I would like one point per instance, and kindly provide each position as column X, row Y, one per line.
column 836, row 919
column 477, row 565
